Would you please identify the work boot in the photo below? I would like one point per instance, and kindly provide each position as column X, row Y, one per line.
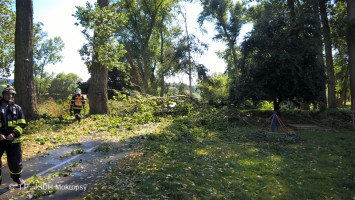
column 20, row 182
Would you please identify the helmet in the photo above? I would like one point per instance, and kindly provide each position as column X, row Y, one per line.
column 2, row 87
column 8, row 89
column 78, row 91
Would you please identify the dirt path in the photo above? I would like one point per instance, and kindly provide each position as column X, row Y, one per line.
column 70, row 170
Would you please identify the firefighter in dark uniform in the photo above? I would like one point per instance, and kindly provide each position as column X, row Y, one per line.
column 12, row 123
column 77, row 103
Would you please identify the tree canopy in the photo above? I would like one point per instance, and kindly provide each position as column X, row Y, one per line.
column 7, row 37
column 143, row 42
column 63, row 85
column 280, row 62
column 228, row 19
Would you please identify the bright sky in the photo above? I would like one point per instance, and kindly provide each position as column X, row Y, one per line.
column 57, row 19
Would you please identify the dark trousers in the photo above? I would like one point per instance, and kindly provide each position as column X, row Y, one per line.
column 77, row 114
column 14, row 158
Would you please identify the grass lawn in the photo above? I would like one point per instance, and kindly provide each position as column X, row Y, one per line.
column 200, row 153
column 203, row 156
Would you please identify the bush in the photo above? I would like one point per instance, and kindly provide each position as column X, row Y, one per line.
column 51, row 108
column 215, row 90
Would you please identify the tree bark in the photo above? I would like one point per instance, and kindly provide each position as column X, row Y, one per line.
column 277, row 105
column 231, row 44
column 162, row 81
column 146, row 70
column 24, row 81
column 291, row 7
column 322, row 105
column 351, row 47
column 189, row 53
column 328, row 54
column 345, row 87
column 98, row 98
column 323, row 98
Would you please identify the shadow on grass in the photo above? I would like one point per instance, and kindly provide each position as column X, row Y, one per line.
column 204, row 156
column 209, row 158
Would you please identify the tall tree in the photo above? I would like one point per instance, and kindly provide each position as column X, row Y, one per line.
column 328, row 53
column 24, row 81
column 102, row 52
column 227, row 17
column 168, row 34
column 338, row 22
column 98, row 98
column 46, row 51
column 313, row 9
column 185, row 48
column 280, row 61
column 161, row 69
column 351, row 47
column 143, row 16
column 189, row 58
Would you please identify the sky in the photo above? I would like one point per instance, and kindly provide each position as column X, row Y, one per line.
column 57, row 19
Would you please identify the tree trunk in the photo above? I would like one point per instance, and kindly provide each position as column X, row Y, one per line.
column 98, row 98
column 153, row 89
column 322, row 105
column 24, row 81
column 162, row 85
column 351, row 47
column 231, row 44
column 323, row 98
column 145, row 71
column 342, row 99
column 344, row 87
column 291, row 7
column 162, row 81
column 189, row 52
column 328, row 54
column 277, row 105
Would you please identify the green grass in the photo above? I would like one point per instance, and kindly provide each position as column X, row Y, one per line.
column 201, row 156
column 199, row 153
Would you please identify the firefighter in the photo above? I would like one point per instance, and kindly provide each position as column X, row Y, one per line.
column 77, row 104
column 12, row 123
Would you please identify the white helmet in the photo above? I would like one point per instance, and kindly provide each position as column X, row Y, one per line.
column 78, row 91
column 8, row 89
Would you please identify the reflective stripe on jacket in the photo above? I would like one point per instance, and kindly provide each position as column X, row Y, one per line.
column 13, row 122
column 77, row 102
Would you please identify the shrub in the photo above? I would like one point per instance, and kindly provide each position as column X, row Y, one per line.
column 215, row 90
